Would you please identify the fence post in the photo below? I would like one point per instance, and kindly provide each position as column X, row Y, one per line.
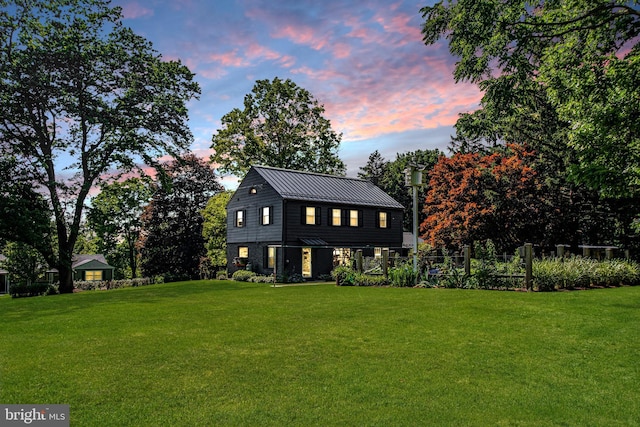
column 608, row 253
column 560, row 251
column 385, row 263
column 467, row 260
column 528, row 265
column 359, row 260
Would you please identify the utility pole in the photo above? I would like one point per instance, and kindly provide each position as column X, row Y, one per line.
column 413, row 179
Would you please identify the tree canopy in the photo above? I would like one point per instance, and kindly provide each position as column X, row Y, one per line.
column 171, row 243
column 214, row 228
column 389, row 176
column 281, row 125
column 474, row 197
column 82, row 97
column 555, row 75
column 115, row 218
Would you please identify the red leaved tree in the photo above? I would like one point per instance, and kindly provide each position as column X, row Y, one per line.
column 475, row 196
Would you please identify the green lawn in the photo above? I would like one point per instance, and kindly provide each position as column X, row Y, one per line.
column 231, row 353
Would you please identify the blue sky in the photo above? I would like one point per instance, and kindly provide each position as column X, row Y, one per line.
column 381, row 87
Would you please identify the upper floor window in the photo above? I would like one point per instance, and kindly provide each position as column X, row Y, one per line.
column 355, row 218
column 336, row 217
column 311, row 215
column 266, row 215
column 383, row 220
column 240, row 218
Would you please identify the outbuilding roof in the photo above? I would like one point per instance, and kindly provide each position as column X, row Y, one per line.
column 316, row 187
column 84, row 259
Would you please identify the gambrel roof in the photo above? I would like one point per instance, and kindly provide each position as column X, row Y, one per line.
column 315, row 187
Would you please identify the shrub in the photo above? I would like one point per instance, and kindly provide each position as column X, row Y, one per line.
column 260, row 279
column 447, row 275
column 346, row 276
column 222, row 275
column 290, row 278
column 403, row 275
column 18, row 290
column 104, row 285
column 578, row 272
column 243, row 275
column 295, row 278
column 343, row 275
column 363, row 279
column 486, row 270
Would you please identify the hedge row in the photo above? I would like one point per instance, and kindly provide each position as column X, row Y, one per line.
column 548, row 275
column 19, row 290
column 90, row 285
column 579, row 273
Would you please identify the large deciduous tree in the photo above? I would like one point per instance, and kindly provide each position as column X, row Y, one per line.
column 281, row 125
column 115, row 218
column 561, row 76
column 171, row 243
column 81, row 96
column 475, row 196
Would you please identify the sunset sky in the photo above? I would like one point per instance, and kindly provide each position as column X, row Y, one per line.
column 364, row 61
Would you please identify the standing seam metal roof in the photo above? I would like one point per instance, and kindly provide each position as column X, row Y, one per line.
column 308, row 186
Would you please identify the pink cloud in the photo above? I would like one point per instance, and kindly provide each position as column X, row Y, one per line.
column 229, row 59
column 135, row 10
column 214, row 73
column 366, row 65
column 415, row 93
column 322, row 75
column 260, row 52
column 301, row 35
column 341, row 50
column 400, row 24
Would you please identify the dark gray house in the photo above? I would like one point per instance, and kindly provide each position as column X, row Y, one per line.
column 283, row 221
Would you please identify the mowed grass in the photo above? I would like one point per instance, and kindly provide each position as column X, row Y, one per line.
column 229, row 353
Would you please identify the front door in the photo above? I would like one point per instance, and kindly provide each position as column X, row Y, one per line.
column 306, row 262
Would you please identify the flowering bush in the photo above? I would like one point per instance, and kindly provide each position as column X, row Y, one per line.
column 261, row 279
column 104, row 285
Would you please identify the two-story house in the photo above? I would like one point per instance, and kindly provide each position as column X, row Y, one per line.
column 286, row 221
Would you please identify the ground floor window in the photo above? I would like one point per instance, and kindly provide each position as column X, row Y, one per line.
column 91, row 275
column 243, row 252
column 306, row 262
column 341, row 256
column 271, row 257
column 377, row 252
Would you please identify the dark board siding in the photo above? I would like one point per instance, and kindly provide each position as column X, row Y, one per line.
column 243, row 199
column 343, row 236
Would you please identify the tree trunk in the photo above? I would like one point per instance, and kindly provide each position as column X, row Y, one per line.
column 65, row 275
column 133, row 262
